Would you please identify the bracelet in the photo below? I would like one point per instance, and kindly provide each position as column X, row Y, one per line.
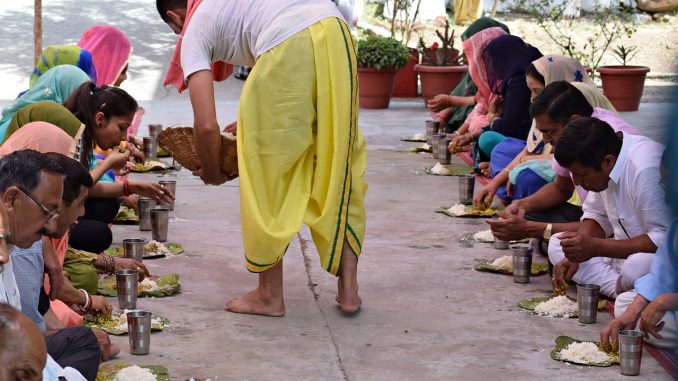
column 125, row 188
column 105, row 264
column 112, row 264
column 88, row 302
column 456, row 133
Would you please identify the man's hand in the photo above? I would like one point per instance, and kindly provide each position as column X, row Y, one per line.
column 564, row 271
column 53, row 269
column 650, row 319
column 460, row 141
column 609, row 336
column 578, row 247
column 510, row 227
column 232, row 128
column 485, row 196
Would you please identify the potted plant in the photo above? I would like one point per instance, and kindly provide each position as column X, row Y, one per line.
column 623, row 84
column 378, row 59
column 404, row 21
column 439, row 70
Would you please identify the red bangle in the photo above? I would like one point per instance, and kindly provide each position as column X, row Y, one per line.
column 125, row 188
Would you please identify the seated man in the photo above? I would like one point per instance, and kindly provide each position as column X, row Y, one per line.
column 625, row 202
column 653, row 306
column 26, row 357
column 31, row 186
column 548, row 211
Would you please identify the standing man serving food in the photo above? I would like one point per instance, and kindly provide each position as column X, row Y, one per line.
column 301, row 157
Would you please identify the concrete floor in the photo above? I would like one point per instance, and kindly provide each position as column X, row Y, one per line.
column 427, row 314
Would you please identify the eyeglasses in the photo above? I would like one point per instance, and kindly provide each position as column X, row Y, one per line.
column 547, row 133
column 51, row 214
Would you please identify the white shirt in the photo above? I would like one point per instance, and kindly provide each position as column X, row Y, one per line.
column 9, row 292
column 239, row 31
column 633, row 204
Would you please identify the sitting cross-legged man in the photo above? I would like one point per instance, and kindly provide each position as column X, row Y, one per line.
column 625, row 215
column 652, row 306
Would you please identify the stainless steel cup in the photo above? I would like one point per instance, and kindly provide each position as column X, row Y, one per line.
column 444, row 154
column 134, row 248
column 159, row 223
column 466, row 187
column 170, row 185
column 432, row 128
column 587, row 300
column 435, row 142
column 127, row 282
column 154, row 130
column 522, row 264
column 144, row 205
column 139, row 327
column 630, row 352
column 500, row 245
column 150, row 148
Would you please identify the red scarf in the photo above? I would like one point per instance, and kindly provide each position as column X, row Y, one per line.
column 175, row 75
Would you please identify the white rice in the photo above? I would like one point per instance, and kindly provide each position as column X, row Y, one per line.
column 505, row 261
column 560, row 306
column 135, row 373
column 158, row 248
column 122, row 321
column 439, row 169
column 457, row 210
column 485, row 236
column 148, row 285
column 426, row 146
column 419, row 136
column 584, row 353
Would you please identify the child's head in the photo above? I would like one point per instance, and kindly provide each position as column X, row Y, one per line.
column 106, row 111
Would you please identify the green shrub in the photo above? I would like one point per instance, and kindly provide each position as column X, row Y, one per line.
column 382, row 53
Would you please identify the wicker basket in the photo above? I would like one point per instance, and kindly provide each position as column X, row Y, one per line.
column 178, row 141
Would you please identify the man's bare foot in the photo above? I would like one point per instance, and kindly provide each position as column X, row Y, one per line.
column 256, row 303
column 347, row 284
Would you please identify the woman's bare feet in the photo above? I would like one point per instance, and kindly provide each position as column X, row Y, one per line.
column 266, row 300
column 347, row 284
column 256, row 303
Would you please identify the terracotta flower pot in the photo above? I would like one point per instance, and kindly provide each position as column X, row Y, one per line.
column 623, row 85
column 406, row 80
column 376, row 87
column 439, row 79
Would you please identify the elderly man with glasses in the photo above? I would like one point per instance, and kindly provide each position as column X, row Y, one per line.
column 31, row 188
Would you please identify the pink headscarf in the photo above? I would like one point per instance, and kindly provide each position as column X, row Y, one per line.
column 474, row 47
column 175, row 74
column 110, row 50
column 39, row 136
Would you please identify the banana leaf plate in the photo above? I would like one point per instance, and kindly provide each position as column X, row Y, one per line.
column 563, row 342
column 421, row 148
column 414, row 138
column 151, row 166
column 531, row 304
column 126, row 216
column 118, row 251
column 470, row 212
column 452, row 170
column 168, row 285
column 471, row 237
column 109, row 323
column 108, row 371
column 485, row 265
column 162, row 152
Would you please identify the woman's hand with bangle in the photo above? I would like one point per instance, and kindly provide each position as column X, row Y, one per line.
column 99, row 304
column 438, row 103
column 131, row 264
column 460, row 141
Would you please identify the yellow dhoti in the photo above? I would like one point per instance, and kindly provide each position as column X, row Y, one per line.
column 301, row 157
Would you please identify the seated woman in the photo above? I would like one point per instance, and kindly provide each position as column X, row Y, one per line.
column 521, row 161
column 56, row 55
column 507, row 115
column 452, row 110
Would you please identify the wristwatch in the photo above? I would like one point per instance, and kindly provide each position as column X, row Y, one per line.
column 547, row 232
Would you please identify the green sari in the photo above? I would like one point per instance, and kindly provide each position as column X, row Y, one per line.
column 45, row 111
column 466, row 88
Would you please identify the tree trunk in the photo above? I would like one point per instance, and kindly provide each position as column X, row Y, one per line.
column 37, row 29
column 494, row 8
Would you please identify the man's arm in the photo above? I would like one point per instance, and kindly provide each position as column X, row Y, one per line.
column 206, row 128
column 549, row 196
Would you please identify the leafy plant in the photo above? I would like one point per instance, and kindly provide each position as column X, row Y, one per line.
column 609, row 25
column 382, row 53
column 443, row 54
column 624, row 54
column 404, row 15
